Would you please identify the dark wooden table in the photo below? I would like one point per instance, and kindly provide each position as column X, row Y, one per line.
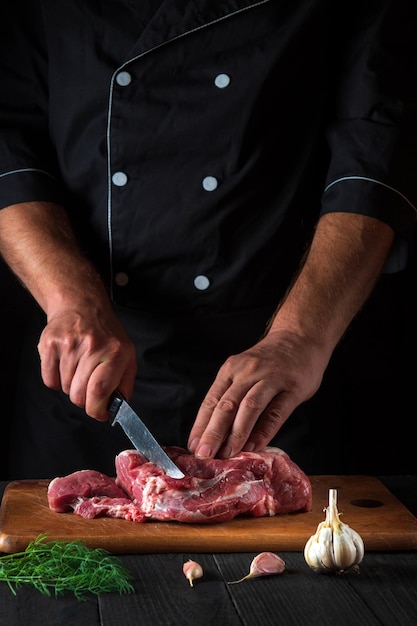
column 383, row 592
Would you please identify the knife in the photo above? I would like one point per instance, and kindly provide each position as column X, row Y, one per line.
column 122, row 413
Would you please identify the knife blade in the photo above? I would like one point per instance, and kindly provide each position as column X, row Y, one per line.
column 122, row 413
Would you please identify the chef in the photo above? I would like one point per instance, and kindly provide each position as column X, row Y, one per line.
column 164, row 168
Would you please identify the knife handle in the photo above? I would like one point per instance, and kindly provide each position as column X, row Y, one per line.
column 116, row 400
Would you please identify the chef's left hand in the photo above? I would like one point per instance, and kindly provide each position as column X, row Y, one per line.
column 254, row 393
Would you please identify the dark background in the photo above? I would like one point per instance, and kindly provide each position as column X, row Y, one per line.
column 379, row 362
column 15, row 306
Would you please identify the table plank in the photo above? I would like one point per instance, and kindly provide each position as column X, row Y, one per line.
column 297, row 596
column 389, row 587
column 30, row 608
column 164, row 596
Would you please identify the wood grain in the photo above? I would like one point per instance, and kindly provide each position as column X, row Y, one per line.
column 365, row 503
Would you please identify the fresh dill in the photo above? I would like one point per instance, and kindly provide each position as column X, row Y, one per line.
column 55, row 567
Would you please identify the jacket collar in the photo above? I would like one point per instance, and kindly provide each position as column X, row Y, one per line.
column 176, row 18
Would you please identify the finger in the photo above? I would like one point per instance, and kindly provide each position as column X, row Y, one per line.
column 214, row 421
column 105, row 378
column 98, row 389
column 205, row 412
column 270, row 422
column 68, row 366
column 50, row 371
column 59, row 360
column 233, row 419
column 216, row 429
column 251, row 408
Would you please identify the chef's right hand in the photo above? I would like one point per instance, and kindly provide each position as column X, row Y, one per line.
column 86, row 352
column 84, row 349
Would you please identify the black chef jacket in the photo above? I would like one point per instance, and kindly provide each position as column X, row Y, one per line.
column 194, row 145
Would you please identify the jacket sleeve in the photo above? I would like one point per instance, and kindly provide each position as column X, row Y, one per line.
column 28, row 168
column 372, row 132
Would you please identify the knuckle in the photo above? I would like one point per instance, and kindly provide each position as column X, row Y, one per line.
column 227, row 406
column 96, row 389
column 68, row 343
column 223, row 405
column 99, row 387
column 252, row 402
column 271, row 422
column 210, row 402
column 274, row 417
column 115, row 346
column 252, row 365
column 89, row 344
column 235, row 362
column 213, row 436
column 228, row 365
column 77, row 397
column 238, row 436
column 46, row 343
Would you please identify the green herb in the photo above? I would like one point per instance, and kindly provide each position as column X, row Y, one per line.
column 54, row 567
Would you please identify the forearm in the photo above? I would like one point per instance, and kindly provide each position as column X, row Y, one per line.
column 341, row 268
column 37, row 243
column 84, row 349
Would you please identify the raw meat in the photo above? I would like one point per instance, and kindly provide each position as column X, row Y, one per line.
column 214, row 490
column 63, row 492
column 100, row 506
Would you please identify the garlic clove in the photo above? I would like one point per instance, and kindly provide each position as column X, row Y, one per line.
column 264, row 564
column 325, row 547
column 359, row 545
column 312, row 555
column 267, row 563
column 344, row 550
column 192, row 570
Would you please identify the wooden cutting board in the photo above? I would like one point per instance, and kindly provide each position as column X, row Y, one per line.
column 365, row 503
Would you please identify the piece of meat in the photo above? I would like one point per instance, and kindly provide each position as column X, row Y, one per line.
column 65, row 492
column 213, row 490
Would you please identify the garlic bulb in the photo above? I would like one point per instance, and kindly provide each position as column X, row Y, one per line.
column 335, row 547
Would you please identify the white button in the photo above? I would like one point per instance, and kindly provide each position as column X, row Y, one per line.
column 201, row 282
column 119, row 179
column 121, row 279
column 222, row 80
column 123, row 79
column 210, row 183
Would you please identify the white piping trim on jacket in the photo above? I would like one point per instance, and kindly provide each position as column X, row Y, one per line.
column 26, row 169
column 371, row 180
